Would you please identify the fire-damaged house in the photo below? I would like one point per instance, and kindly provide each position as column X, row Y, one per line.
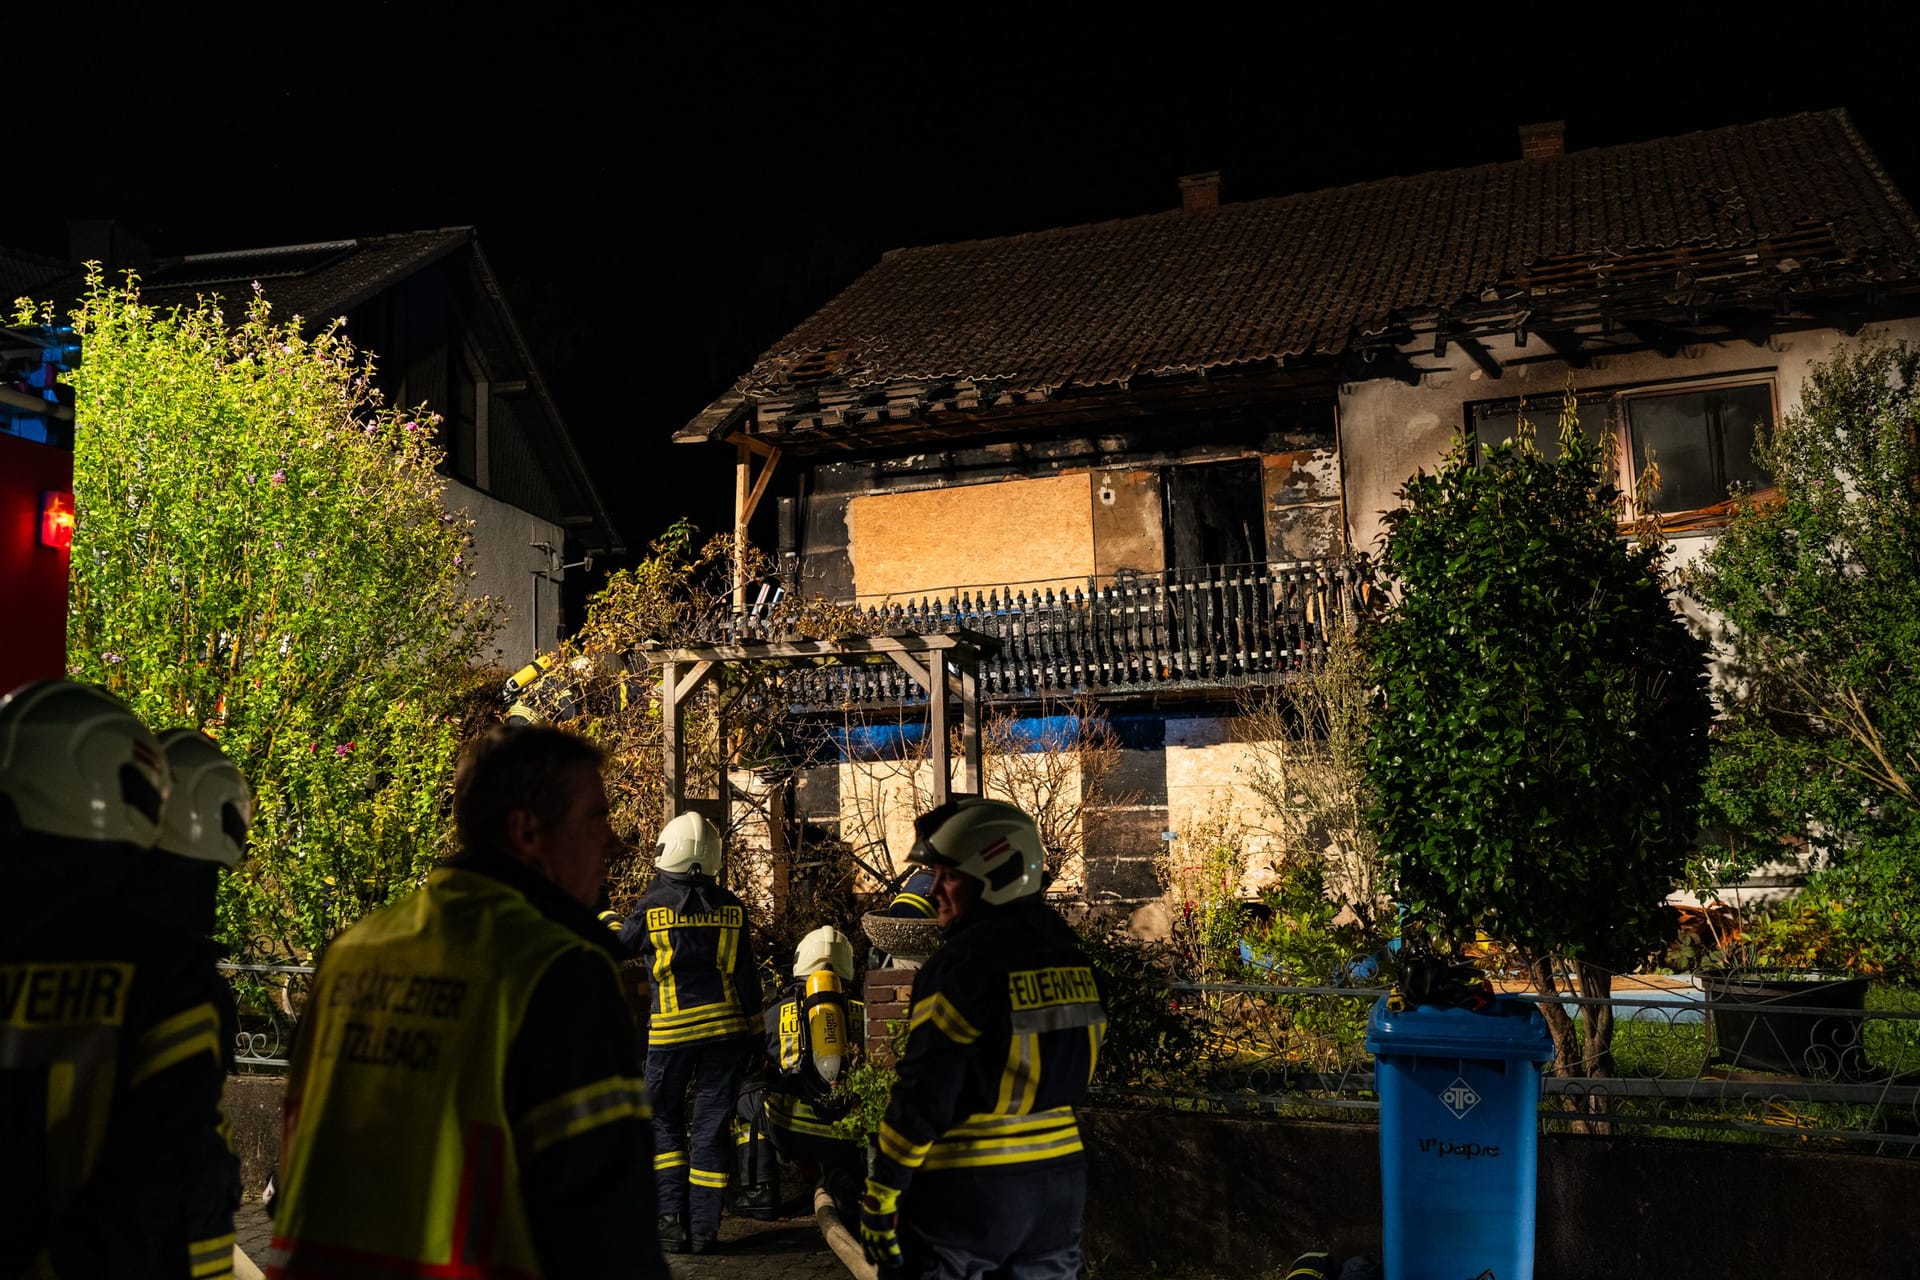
column 1145, row 453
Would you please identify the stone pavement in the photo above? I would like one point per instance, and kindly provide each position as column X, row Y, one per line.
column 790, row 1249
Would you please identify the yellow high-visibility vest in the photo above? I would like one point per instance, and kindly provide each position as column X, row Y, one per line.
column 398, row 1158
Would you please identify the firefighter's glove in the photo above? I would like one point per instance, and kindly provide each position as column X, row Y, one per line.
column 880, row 1225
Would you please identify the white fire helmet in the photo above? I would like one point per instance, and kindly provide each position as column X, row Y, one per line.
column 989, row 840
column 824, row 948
column 210, row 810
column 75, row 762
column 688, row 843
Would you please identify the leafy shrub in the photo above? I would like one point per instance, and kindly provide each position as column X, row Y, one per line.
column 262, row 552
column 1152, row 1038
column 1542, row 717
column 1817, row 584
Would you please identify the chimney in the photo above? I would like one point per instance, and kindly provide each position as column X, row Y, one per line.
column 1543, row 141
column 1200, row 191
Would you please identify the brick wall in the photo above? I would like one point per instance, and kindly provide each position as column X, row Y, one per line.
column 887, row 993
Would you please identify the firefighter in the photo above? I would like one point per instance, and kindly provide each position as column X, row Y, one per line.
column 810, row 1035
column 913, row 901
column 978, row 1165
column 691, row 934
column 203, row 828
column 110, row 1052
column 464, row 1096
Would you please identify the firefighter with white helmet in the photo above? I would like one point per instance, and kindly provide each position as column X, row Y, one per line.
column 810, row 1035
column 691, row 933
column 124, row 1023
column 978, row 1165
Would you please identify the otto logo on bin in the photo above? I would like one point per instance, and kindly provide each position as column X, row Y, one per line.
column 1459, row 1098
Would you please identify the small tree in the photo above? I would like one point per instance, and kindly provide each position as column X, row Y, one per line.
column 1818, row 584
column 1541, row 720
column 261, row 551
column 1307, row 765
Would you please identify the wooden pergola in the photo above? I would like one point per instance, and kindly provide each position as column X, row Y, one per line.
column 946, row 664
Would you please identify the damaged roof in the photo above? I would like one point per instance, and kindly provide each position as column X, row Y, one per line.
column 1749, row 213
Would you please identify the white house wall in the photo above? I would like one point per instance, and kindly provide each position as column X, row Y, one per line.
column 1389, row 430
column 504, row 565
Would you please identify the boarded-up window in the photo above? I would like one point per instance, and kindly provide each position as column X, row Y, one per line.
column 1011, row 533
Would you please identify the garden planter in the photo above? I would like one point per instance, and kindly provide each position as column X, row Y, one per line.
column 1761, row 1022
column 909, row 940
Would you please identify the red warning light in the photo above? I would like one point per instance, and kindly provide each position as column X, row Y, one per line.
column 56, row 519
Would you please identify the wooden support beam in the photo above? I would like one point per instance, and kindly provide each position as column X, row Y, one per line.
column 673, row 739
column 912, row 667
column 970, row 723
column 937, row 727
column 695, row 678
column 811, row 651
column 1477, row 352
column 760, row 481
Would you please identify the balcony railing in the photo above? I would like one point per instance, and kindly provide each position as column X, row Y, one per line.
column 1214, row 627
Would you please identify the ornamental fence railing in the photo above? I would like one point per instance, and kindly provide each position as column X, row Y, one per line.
column 1742, row 1057
column 270, row 998
column 1210, row 627
column 1739, row 1056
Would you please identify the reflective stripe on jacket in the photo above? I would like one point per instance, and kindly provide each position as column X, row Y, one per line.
column 399, row 1158
column 1004, row 1033
column 694, row 942
column 111, row 1066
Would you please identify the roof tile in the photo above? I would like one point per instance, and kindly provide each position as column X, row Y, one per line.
column 1307, row 274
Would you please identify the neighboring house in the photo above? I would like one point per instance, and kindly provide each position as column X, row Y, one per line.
column 1150, row 443
column 427, row 304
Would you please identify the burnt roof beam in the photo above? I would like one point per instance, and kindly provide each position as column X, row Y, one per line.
column 1477, row 352
column 1662, row 337
column 1566, row 344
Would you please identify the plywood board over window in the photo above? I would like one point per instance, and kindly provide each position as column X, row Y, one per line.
column 1020, row 533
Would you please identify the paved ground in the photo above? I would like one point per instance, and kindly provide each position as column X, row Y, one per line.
column 790, row 1249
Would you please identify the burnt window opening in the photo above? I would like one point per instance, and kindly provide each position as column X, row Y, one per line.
column 1215, row 515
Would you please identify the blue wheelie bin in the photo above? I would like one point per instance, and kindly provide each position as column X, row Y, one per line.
column 1459, row 1092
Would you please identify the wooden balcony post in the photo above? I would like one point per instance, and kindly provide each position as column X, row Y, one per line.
column 937, row 728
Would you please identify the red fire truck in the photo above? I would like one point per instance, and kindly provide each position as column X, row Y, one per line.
column 36, row 508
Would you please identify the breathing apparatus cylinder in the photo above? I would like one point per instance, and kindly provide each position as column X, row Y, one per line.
column 826, row 1006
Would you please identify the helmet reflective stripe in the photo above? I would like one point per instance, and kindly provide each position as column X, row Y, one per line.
column 824, row 948
column 688, row 843
column 210, row 810
column 75, row 762
column 988, row 840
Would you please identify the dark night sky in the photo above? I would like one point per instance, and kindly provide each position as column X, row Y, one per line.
column 665, row 196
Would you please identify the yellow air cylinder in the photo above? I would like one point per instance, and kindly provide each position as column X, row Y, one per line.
column 826, row 1024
